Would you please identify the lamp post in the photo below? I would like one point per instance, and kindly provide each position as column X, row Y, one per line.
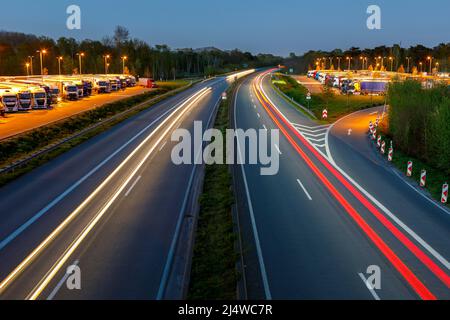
column 28, row 68
column 437, row 66
column 349, row 59
column 420, row 65
column 80, row 57
column 429, row 58
column 339, row 62
column 31, row 63
column 124, row 58
column 409, row 61
column 41, row 55
column 60, row 58
column 392, row 63
column 106, row 63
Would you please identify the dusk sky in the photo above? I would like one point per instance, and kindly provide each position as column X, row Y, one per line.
column 278, row 27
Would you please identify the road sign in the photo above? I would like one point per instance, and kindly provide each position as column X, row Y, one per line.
column 308, row 96
column 291, row 70
column 224, row 96
column 325, row 114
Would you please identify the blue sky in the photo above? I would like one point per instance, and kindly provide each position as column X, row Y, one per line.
column 278, row 27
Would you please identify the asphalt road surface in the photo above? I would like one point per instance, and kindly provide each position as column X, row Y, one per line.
column 322, row 226
column 112, row 206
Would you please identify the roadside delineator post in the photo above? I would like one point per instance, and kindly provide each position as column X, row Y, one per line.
column 374, row 133
column 377, row 122
column 383, row 147
column 444, row 193
column 370, row 126
column 409, row 169
column 391, row 153
column 423, row 178
column 379, row 141
column 324, row 114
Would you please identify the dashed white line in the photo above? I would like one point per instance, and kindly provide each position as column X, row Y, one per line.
column 367, row 284
column 259, row 116
column 132, row 186
column 304, row 189
column 61, row 282
column 278, row 149
column 264, row 126
column 163, row 145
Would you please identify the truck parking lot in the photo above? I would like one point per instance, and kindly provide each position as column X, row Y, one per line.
column 18, row 122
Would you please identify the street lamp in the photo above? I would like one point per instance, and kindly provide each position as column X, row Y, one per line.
column 349, row 59
column 80, row 56
column 124, row 58
column 28, row 68
column 106, row 62
column 429, row 58
column 421, row 64
column 60, row 58
column 31, row 63
column 41, row 55
column 392, row 63
column 339, row 62
column 408, row 59
column 437, row 66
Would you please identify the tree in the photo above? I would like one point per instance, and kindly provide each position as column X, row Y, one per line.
column 401, row 69
column 121, row 34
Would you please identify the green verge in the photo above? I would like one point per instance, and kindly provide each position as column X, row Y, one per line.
column 213, row 273
column 336, row 104
column 28, row 143
column 435, row 177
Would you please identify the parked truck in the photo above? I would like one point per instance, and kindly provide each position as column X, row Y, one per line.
column 373, row 87
column 9, row 99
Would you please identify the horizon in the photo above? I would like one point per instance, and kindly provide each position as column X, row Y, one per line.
column 303, row 28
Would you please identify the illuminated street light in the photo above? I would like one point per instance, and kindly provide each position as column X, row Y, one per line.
column 28, row 68
column 31, row 63
column 80, row 56
column 349, row 59
column 60, row 58
column 339, row 62
column 421, row 64
column 392, row 63
column 429, row 58
column 124, row 58
column 106, row 62
column 409, row 60
column 41, row 55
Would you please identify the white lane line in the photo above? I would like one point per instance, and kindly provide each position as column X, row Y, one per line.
column 176, row 236
column 61, row 282
column 311, row 130
column 264, row 126
column 55, row 201
column 278, row 149
column 402, row 225
column 310, row 127
column 163, row 145
column 28, row 260
column 304, row 189
column 368, row 286
column 259, row 116
column 252, row 214
column 317, row 140
column 313, row 135
column 254, row 106
column 319, row 145
column 132, row 186
column 371, row 114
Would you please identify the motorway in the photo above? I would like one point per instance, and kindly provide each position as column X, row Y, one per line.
column 333, row 210
column 113, row 206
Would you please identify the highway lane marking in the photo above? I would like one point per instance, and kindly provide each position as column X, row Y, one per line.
column 163, row 145
column 132, row 186
column 264, row 126
column 254, row 106
column 278, row 149
column 401, row 267
column 71, row 249
column 252, row 214
column 368, row 286
column 304, row 189
column 195, row 97
column 310, row 127
column 313, row 135
column 371, row 114
column 61, row 282
column 55, row 201
column 259, row 116
column 391, row 215
column 171, row 253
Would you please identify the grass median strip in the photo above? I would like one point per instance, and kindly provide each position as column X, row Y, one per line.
column 99, row 119
column 214, row 274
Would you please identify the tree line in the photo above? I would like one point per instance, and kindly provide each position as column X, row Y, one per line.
column 415, row 58
column 142, row 59
column 419, row 122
